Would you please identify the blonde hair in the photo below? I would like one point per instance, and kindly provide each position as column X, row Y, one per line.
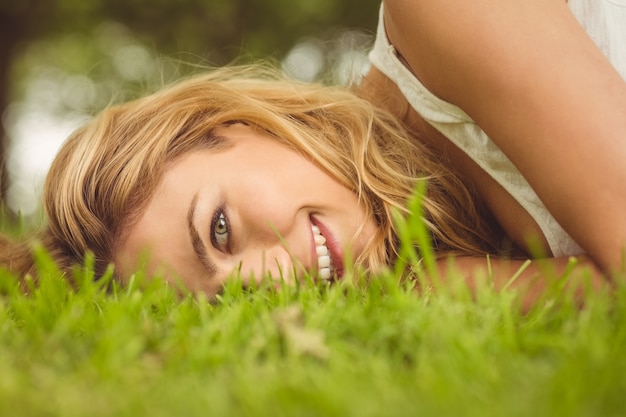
column 106, row 172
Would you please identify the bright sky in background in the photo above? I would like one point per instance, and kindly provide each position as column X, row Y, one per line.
column 36, row 132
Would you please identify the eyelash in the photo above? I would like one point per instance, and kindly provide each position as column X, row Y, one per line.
column 220, row 214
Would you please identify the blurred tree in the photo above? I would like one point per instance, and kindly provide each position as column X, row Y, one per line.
column 213, row 32
column 20, row 22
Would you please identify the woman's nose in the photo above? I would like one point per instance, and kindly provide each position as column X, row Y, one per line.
column 275, row 263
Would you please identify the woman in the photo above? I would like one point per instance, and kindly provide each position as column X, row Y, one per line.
column 229, row 172
column 240, row 168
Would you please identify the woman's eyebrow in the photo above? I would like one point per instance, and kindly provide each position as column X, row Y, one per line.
column 196, row 241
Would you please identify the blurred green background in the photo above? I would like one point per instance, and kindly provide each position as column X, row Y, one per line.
column 63, row 60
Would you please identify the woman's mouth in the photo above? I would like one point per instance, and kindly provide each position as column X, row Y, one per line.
column 327, row 252
column 325, row 268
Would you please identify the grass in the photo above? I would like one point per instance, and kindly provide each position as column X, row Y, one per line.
column 101, row 349
column 376, row 350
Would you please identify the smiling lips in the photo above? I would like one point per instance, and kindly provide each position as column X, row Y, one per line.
column 327, row 252
column 325, row 268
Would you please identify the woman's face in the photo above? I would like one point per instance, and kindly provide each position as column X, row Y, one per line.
column 255, row 206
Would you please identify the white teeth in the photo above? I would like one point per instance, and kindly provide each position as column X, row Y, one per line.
column 324, row 274
column 325, row 268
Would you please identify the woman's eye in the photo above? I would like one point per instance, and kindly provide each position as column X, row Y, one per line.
column 220, row 231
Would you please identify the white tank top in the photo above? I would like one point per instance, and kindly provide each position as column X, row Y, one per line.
column 604, row 20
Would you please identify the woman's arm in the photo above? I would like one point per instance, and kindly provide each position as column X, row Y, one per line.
column 530, row 76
